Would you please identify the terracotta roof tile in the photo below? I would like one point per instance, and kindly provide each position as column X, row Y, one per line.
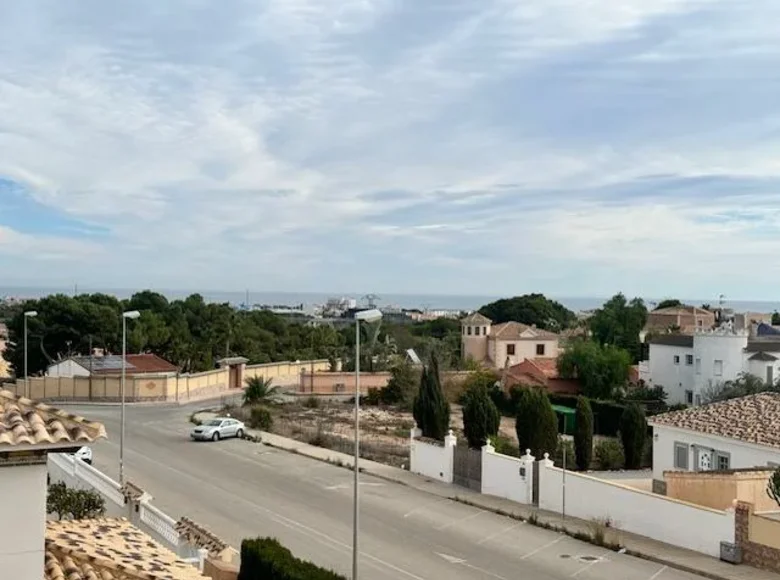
column 515, row 330
column 753, row 419
column 109, row 549
column 25, row 422
column 476, row 318
column 199, row 536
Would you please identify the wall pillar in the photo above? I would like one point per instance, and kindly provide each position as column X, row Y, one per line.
column 450, row 441
column 529, row 464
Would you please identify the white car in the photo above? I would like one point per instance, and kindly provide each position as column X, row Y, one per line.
column 85, row 454
column 218, row 428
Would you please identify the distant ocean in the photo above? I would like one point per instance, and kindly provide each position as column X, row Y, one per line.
column 422, row 301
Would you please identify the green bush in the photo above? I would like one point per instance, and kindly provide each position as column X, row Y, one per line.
column 536, row 424
column 77, row 504
column 505, row 446
column 609, row 455
column 633, row 434
column 311, row 402
column 583, row 434
column 480, row 416
column 373, row 398
column 431, row 410
column 261, row 418
column 606, row 414
column 267, row 559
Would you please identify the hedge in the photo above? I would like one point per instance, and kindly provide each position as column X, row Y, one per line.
column 267, row 559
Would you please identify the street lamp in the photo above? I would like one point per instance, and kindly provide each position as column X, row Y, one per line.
column 367, row 316
column 28, row 314
column 132, row 314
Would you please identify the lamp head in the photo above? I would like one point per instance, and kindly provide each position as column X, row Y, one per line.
column 31, row 313
column 132, row 314
column 369, row 315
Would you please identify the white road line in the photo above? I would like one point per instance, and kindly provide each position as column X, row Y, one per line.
column 585, row 567
column 425, row 506
column 460, row 521
column 483, row 571
column 657, row 574
column 534, row 552
column 504, row 531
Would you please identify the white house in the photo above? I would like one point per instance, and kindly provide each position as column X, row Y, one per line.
column 506, row 344
column 732, row 434
column 686, row 365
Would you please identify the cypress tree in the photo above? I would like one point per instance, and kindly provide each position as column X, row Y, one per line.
column 431, row 410
column 583, row 434
column 633, row 434
column 480, row 416
column 536, row 424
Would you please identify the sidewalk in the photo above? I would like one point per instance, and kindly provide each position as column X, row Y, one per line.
column 635, row 545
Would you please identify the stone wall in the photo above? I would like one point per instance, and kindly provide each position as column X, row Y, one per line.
column 754, row 552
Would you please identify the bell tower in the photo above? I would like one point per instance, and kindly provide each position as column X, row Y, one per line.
column 475, row 330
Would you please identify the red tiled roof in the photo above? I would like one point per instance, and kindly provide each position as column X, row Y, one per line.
column 150, row 363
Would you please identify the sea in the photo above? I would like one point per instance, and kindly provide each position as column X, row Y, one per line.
column 384, row 300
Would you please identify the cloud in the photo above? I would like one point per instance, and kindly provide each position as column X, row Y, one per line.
column 446, row 146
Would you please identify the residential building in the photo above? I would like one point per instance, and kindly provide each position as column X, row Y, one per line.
column 5, row 368
column 683, row 319
column 542, row 372
column 506, row 344
column 686, row 365
column 100, row 365
column 734, row 434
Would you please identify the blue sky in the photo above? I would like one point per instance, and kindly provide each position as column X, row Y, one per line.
column 483, row 147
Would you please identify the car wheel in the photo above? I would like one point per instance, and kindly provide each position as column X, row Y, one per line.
column 215, row 437
column 240, row 433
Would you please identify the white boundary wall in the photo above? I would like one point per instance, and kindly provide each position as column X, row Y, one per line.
column 431, row 459
column 655, row 516
column 508, row 477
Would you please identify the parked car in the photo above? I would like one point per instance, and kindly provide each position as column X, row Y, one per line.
column 85, row 454
column 218, row 428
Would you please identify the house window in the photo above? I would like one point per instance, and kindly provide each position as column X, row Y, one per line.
column 468, row 331
column 689, row 397
column 689, row 359
column 676, row 359
column 724, row 461
column 484, row 330
column 680, row 456
column 339, row 388
column 698, row 366
column 700, row 322
column 717, row 368
column 770, row 375
column 510, row 349
column 697, row 400
column 539, row 350
column 476, row 330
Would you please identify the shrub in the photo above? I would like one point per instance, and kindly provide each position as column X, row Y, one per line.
column 773, row 486
column 536, row 423
column 505, row 446
column 267, row 559
column 78, row 504
column 609, row 455
column 373, row 398
column 480, row 416
column 606, row 414
column 570, row 453
column 431, row 409
column 633, row 433
column 583, row 434
column 402, row 386
column 260, row 390
column 261, row 418
column 311, row 402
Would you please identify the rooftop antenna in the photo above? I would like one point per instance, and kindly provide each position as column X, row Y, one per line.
column 721, row 300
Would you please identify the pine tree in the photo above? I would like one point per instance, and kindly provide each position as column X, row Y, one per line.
column 536, row 424
column 633, row 434
column 583, row 434
column 480, row 416
column 431, row 410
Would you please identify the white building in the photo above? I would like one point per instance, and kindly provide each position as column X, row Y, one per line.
column 734, row 434
column 686, row 365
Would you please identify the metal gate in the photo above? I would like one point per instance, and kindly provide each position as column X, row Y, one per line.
column 535, row 484
column 467, row 469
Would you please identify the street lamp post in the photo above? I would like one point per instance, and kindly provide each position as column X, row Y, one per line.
column 368, row 316
column 28, row 314
column 132, row 314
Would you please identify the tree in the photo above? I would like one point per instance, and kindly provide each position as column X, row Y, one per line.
column 536, row 424
column 77, row 504
column 583, row 434
column 773, row 486
column 668, row 303
column 260, row 390
column 745, row 384
column 633, row 434
column 619, row 323
column 402, row 386
column 431, row 410
column 775, row 318
column 601, row 370
column 480, row 416
column 531, row 309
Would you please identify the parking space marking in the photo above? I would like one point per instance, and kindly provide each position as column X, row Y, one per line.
column 504, row 531
column 534, row 552
column 459, row 521
column 657, row 574
column 420, row 508
column 585, row 567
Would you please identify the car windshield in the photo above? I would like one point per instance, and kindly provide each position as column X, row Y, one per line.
column 213, row 423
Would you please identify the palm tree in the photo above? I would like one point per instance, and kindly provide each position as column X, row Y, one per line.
column 259, row 390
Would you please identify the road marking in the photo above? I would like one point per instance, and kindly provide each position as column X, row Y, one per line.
column 420, row 508
column 462, row 562
column 534, row 552
column 657, row 574
column 504, row 531
column 460, row 521
column 585, row 567
column 349, row 485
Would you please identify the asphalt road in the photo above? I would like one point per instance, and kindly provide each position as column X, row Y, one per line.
column 239, row 489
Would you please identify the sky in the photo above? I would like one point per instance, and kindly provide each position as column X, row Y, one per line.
column 474, row 147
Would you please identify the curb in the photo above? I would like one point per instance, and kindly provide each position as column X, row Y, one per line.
column 514, row 516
